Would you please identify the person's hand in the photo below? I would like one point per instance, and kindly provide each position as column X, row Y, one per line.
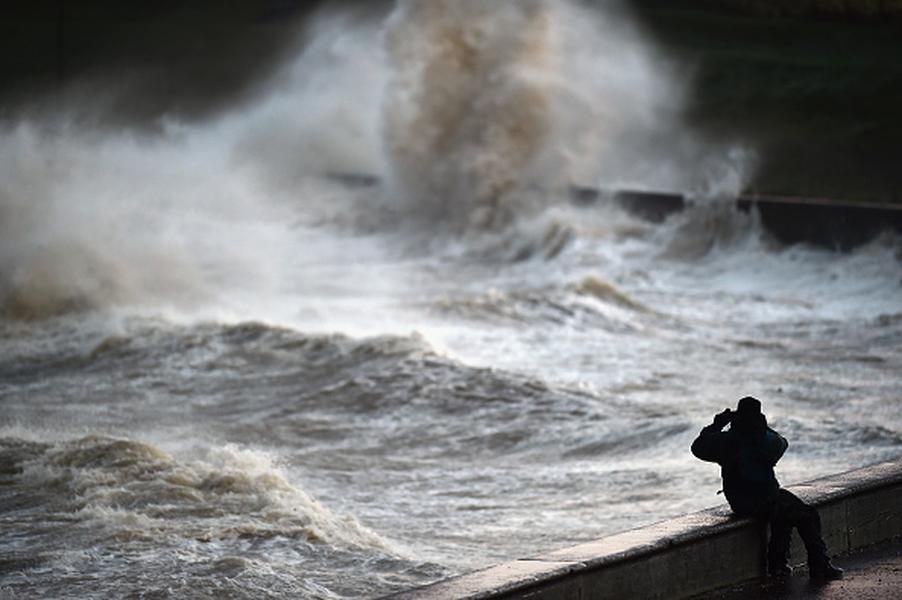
column 721, row 419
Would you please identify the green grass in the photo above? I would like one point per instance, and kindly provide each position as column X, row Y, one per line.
column 819, row 96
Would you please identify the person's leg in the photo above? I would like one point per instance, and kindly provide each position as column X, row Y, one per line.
column 793, row 512
column 778, row 547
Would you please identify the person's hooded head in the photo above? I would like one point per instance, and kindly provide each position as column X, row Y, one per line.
column 748, row 417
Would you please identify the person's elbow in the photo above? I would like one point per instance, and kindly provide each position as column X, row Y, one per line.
column 778, row 446
column 702, row 450
column 784, row 445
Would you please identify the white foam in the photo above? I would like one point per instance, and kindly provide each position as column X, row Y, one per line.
column 135, row 488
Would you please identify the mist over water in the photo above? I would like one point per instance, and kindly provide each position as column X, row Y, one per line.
column 473, row 116
column 353, row 336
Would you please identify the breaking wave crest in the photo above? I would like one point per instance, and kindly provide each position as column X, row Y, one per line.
column 707, row 225
column 134, row 488
column 590, row 302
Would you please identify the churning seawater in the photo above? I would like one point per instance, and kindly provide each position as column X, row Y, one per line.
column 230, row 369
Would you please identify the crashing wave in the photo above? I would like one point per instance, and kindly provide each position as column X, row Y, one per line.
column 137, row 489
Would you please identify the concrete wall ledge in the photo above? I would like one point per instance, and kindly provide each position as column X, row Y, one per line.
column 691, row 554
column 827, row 222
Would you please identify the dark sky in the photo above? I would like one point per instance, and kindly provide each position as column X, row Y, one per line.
column 145, row 59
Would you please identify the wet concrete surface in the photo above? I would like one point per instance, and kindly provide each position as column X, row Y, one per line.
column 872, row 574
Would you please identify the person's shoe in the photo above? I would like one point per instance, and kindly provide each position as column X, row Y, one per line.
column 827, row 572
column 783, row 570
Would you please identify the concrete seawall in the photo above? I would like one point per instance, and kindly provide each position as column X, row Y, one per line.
column 830, row 223
column 691, row 554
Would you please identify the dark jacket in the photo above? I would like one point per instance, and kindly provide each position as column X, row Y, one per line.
column 747, row 460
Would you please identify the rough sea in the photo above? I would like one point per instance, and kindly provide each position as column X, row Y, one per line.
column 355, row 335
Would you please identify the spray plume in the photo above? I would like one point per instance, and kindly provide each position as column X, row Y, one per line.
column 473, row 114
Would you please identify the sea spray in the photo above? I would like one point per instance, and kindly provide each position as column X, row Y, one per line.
column 467, row 113
column 473, row 116
column 321, row 111
column 492, row 109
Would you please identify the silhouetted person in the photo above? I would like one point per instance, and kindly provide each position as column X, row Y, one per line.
column 747, row 453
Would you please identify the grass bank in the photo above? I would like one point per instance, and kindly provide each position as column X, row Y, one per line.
column 815, row 86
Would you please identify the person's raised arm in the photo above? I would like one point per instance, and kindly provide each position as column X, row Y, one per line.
column 709, row 443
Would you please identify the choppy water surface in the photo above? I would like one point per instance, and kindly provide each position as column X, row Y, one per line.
column 225, row 374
